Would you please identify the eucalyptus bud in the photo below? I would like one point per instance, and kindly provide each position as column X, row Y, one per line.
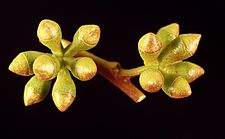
column 83, row 68
column 22, row 64
column 188, row 70
column 180, row 88
column 85, row 38
column 168, row 33
column 149, row 46
column 180, row 48
column 151, row 80
column 36, row 90
column 46, row 67
column 50, row 35
column 177, row 87
column 64, row 90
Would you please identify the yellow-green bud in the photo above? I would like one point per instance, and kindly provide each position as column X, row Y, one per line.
column 151, row 80
column 35, row 91
column 188, row 70
column 85, row 38
column 168, row 33
column 23, row 63
column 83, row 68
column 149, row 43
column 64, row 90
column 50, row 35
column 149, row 46
column 180, row 48
column 46, row 67
column 180, row 88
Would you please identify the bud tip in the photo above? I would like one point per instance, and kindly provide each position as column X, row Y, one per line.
column 151, row 80
column 86, row 68
column 191, row 41
column 45, row 67
column 48, row 30
column 63, row 100
column 173, row 28
column 30, row 97
column 196, row 73
column 90, row 34
column 149, row 43
column 20, row 65
column 180, row 88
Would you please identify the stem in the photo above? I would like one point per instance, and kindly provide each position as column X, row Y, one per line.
column 132, row 72
column 118, row 76
column 113, row 72
column 57, row 50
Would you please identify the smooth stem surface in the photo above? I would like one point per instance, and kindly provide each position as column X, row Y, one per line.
column 132, row 72
column 118, row 76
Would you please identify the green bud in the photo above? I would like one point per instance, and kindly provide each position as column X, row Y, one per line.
column 46, row 67
column 83, row 68
column 151, row 80
column 179, row 49
column 179, row 88
column 23, row 63
column 85, row 38
column 50, row 35
column 35, row 91
column 149, row 46
column 188, row 70
column 168, row 33
column 64, row 90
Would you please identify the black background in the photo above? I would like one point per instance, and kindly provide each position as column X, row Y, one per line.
column 100, row 109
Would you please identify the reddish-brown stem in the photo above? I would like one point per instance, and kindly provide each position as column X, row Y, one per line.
column 118, row 76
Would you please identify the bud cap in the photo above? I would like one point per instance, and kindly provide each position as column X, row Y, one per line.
column 151, row 80
column 180, row 88
column 46, row 67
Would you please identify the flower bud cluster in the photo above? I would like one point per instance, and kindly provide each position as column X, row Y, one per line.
column 163, row 53
column 59, row 64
